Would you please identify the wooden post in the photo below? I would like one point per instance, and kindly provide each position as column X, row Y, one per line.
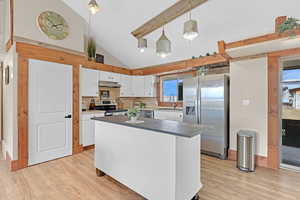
column 99, row 173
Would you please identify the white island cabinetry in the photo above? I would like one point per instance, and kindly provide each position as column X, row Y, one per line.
column 157, row 165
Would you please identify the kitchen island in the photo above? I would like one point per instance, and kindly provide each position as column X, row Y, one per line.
column 158, row 159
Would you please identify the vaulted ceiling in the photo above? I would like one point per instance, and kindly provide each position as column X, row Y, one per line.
column 228, row 20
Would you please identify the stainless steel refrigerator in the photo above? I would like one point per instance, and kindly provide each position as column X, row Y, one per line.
column 206, row 103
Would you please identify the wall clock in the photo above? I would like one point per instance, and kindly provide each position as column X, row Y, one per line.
column 53, row 25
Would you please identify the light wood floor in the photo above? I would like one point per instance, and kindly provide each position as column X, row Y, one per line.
column 74, row 177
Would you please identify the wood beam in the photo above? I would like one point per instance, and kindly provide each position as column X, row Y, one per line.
column 273, row 112
column 221, row 47
column 77, row 148
column 53, row 55
column 22, row 161
column 179, row 8
column 180, row 65
column 259, row 39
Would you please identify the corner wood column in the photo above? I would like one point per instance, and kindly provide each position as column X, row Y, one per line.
column 77, row 148
column 22, row 161
column 273, row 112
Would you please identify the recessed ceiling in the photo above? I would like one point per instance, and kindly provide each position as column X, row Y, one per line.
column 228, row 20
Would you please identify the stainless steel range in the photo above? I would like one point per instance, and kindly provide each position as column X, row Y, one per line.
column 206, row 102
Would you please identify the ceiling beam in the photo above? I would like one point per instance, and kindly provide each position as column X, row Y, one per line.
column 168, row 15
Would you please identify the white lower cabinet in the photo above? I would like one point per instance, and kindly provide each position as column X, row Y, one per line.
column 88, row 128
column 174, row 115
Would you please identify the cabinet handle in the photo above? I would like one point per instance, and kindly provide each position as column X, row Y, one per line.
column 68, row 116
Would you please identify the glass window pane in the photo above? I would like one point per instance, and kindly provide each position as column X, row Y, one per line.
column 170, row 91
column 291, row 75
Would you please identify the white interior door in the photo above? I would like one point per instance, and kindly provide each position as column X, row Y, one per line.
column 50, row 101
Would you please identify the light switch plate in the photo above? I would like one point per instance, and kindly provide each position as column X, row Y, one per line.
column 246, row 102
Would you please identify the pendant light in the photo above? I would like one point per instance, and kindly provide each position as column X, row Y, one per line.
column 93, row 6
column 163, row 45
column 190, row 31
column 142, row 44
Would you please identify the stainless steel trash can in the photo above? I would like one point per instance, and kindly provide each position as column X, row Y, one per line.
column 246, row 149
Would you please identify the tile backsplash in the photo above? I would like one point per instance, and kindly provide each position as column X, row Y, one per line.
column 129, row 102
column 123, row 102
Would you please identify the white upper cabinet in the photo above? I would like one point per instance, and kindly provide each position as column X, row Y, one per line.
column 126, row 86
column 150, row 90
column 138, row 86
column 109, row 76
column 89, row 82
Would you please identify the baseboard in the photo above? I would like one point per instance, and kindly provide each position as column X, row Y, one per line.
column 88, row 147
column 261, row 161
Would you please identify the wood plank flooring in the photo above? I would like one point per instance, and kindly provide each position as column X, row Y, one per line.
column 74, row 178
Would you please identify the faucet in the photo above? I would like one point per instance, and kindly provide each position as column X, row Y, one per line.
column 174, row 105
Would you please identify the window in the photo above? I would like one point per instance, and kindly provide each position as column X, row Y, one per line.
column 291, row 88
column 172, row 90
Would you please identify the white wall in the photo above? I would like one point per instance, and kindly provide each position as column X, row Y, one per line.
column 249, row 82
column 108, row 58
column 26, row 13
column 10, row 106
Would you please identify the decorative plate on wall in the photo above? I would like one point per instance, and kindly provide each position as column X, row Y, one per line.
column 53, row 25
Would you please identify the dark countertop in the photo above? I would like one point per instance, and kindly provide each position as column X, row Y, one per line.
column 164, row 126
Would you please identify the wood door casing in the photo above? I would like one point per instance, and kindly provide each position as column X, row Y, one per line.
column 22, row 161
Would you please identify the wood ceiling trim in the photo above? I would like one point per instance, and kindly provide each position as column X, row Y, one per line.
column 179, row 8
column 181, row 65
column 259, row 39
column 53, row 55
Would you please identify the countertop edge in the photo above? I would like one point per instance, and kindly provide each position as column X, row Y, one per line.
column 146, row 128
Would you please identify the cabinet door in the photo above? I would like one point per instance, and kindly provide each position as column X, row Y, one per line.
column 88, row 135
column 138, row 86
column 125, row 90
column 150, row 86
column 104, row 76
column 114, row 77
column 89, row 82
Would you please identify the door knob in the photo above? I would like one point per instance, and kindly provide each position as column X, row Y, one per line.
column 68, row 116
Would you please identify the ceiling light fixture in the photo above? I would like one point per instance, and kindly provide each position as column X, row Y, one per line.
column 163, row 45
column 142, row 44
column 93, row 7
column 190, row 31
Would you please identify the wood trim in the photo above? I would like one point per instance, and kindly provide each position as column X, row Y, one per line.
column 274, row 105
column 283, row 53
column 58, row 56
column 8, row 45
column 273, row 113
column 22, row 161
column 88, row 147
column 159, row 86
column 184, row 65
column 261, row 161
column 179, row 8
column 77, row 147
column 248, row 57
column 259, row 39
column 221, row 47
